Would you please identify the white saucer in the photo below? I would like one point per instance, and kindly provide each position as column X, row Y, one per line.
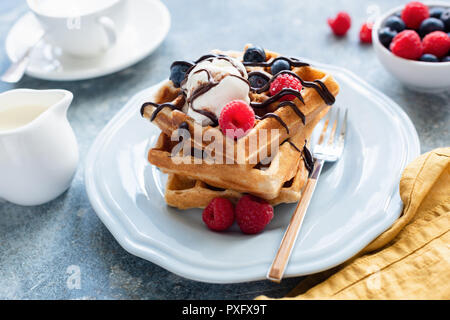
column 149, row 23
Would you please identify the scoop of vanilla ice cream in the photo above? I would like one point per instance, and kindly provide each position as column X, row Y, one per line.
column 230, row 86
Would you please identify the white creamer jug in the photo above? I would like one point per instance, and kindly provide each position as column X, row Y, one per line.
column 38, row 149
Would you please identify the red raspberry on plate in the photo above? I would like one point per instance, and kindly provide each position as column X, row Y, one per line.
column 406, row 44
column 437, row 43
column 219, row 214
column 253, row 214
column 284, row 81
column 236, row 119
column 365, row 33
column 340, row 24
column 414, row 13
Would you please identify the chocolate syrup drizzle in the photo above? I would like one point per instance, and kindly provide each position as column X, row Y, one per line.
column 201, row 90
column 205, row 88
column 276, row 97
column 275, row 116
column 212, row 56
column 260, row 74
column 158, row 107
column 294, row 62
column 284, row 92
column 184, row 126
column 209, row 57
column 181, row 62
column 306, row 155
column 278, row 118
column 317, row 85
column 293, row 107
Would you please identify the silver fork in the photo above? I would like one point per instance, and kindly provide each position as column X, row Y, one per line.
column 328, row 148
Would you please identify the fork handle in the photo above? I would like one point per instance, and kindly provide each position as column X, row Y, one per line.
column 281, row 259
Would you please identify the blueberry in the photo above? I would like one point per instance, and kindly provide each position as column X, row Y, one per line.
column 386, row 35
column 430, row 25
column 436, row 12
column 446, row 59
column 395, row 23
column 398, row 14
column 177, row 73
column 254, row 54
column 280, row 65
column 445, row 18
column 257, row 81
column 427, row 57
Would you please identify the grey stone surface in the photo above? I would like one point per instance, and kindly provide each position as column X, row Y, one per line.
column 39, row 244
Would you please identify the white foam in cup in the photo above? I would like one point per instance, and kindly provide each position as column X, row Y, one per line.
column 82, row 28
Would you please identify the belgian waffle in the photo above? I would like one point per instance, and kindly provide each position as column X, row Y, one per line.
column 319, row 90
column 263, row 181
column 185, row 193
column 277, row 169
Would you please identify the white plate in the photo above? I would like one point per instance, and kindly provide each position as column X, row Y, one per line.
column 147, row 26
column 356, row 199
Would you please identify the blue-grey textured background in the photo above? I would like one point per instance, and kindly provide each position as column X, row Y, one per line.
column 38, row 244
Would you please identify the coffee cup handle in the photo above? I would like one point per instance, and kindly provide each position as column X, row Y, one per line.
column 110, row 30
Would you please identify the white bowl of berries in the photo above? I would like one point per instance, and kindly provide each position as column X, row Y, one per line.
column 412, row 42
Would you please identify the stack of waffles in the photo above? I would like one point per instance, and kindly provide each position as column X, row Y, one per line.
column 270, row 161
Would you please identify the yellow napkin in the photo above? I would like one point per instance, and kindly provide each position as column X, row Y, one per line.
column 411, row 260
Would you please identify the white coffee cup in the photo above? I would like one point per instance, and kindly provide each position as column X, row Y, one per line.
column 82, row 28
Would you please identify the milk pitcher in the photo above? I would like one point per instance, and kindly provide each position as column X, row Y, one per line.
column 38, row 148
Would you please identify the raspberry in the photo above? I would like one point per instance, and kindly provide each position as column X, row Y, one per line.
column 253, row 214
column 414, row 13
column 365, row 34
column 436, row 43
column 340, row 24
column 284, row 81
column 407, row 45
column 236, row 119
column 219, row 214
